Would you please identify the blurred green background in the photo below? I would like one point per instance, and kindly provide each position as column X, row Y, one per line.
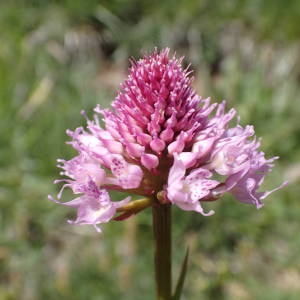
column 58, row 57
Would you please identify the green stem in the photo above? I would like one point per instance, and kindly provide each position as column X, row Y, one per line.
column 162, row 238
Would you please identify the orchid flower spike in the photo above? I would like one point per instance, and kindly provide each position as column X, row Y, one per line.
column 162, row 141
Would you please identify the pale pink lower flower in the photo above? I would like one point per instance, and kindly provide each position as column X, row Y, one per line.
column 162, row 141
column 186, row 191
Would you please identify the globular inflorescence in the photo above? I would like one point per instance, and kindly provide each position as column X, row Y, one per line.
column 162, row 141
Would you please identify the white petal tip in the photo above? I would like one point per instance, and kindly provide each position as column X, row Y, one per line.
column 52, row 199
column 210, row 213
column 98, row 229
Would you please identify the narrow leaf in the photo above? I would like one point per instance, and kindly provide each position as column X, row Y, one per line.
column 181, row 278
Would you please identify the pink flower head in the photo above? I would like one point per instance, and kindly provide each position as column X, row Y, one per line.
column 162, row 141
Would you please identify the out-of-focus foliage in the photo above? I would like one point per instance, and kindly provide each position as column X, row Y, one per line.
column 58, row 57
